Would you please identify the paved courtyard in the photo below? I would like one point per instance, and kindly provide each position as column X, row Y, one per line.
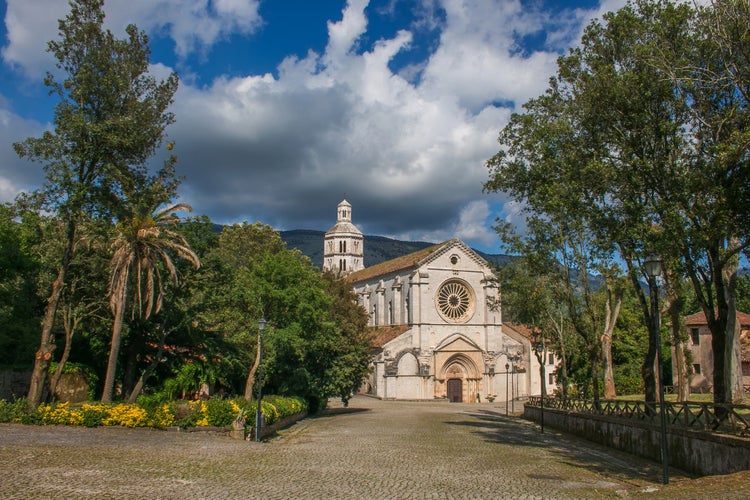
column 373, row 449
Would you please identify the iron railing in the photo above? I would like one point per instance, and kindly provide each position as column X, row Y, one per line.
column 718, row 418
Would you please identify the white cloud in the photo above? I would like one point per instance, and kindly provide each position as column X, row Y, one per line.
column 16, row 175
column 193, row 25
column 408, row 154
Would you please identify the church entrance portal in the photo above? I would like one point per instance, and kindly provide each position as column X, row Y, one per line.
column 455, row 390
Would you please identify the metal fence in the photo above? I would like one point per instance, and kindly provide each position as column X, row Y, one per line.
column 718, row 418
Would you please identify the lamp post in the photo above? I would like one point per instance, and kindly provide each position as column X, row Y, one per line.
column 513, row 384
column 507, row 366
column 261, row 327
column 653, row 267
column 513, row 387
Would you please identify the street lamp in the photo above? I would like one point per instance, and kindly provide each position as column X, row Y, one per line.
column 261, row 327
column 507, row 366
column 653, row 267
column 513, row 387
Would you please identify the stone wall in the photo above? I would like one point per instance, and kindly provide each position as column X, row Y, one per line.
column 699, row 452
column 14, row 384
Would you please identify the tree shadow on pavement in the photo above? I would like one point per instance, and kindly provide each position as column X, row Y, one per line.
column 333, row 412
column 571, row 450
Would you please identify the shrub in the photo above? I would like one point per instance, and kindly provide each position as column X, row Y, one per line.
column 93, row 414
column 161, row 416
column 15, row 411
column 127, row 415
column 219, row 412
column 59, row 414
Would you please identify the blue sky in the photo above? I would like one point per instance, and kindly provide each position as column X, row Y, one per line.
column 287, row 106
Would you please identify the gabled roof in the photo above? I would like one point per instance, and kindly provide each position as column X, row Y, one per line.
column 523, row 330
column 411, row 261
column 383, row 334
column 408, row 261
column 699, row 318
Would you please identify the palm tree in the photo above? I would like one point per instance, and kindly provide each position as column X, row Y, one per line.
column 144, row 241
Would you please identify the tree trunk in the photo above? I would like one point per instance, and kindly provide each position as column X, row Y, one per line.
column 735, row 392
column 47, row 345
column 130, row 372
column 70, row 326
column 610, row 320
column 250, row 383
column 563, row 364
column 114, row 348
column 148, row 371
column 610, row 392
column 680, row 353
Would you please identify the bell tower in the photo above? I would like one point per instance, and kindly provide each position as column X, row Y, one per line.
column 343, row 245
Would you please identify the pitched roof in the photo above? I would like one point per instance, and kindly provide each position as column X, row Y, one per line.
column 699, row 318
column 524, row 330
column 410, row 261
column 383, row 334
column 398, row 264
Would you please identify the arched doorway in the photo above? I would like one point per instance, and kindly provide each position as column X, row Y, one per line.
column 455, row 390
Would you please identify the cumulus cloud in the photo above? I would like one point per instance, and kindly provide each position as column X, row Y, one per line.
column 16, row 175
column 191, row 24
column 405, row 145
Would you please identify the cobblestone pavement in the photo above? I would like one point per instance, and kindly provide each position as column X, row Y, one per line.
column 373, row 449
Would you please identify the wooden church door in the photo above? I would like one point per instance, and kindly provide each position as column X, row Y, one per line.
column 455, row 390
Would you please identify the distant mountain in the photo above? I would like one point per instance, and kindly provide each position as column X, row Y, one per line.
column 377, row 248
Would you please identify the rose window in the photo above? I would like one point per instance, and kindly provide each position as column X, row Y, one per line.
column 455, row 301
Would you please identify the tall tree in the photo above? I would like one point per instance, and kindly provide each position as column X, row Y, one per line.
column 711, row 74
column 110, row 120
column 654, row 109
column 144, row 248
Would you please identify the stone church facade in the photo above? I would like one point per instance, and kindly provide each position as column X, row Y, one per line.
column 436, row 318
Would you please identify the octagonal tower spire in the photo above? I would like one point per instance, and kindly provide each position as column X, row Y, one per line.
column 343, row 245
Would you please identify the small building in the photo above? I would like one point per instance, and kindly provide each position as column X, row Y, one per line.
column 699, row 343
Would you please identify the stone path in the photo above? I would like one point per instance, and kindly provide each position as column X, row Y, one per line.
column 373, row 449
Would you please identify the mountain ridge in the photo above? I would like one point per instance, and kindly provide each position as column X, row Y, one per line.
column 377, row 248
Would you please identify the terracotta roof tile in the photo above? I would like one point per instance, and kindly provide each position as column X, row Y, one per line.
column 699, row 318
column 524, row 330
column 383, row 334
column 393, row 265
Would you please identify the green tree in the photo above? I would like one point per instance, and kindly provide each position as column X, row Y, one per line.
column 109, row 120
column 144, row 248
column 710, row 72
column 645, row 126
column 531, row 297
column 20, row 308
column 241, row 249
column 353, row 344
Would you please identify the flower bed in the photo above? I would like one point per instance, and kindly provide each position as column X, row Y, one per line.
column 216, row 412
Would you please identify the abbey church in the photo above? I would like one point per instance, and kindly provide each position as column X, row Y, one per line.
column 437, row 321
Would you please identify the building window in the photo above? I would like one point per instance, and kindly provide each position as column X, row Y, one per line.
column 551, row 358
column 455, row 301
column 695, row 336
column 342, row 264
column 697, row 368
column 551, row 378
